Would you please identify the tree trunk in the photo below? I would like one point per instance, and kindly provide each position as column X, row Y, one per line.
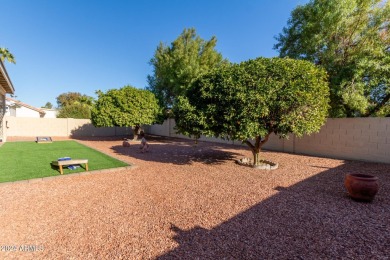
column 256, row 148
column 136, row 132
column 256, row 157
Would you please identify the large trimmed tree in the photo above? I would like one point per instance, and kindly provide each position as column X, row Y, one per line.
column 251, row 100
column 128, row 106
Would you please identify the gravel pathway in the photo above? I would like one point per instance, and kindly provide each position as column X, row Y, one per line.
column 186, row 201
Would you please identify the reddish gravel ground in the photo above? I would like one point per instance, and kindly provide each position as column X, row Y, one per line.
column 194, row 202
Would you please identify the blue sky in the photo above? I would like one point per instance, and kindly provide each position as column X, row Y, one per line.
column 83, row 46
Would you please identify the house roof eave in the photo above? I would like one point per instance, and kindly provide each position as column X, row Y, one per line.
column 5, row 81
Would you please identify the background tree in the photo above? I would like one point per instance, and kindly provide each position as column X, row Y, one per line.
column 76, row 110
column 351, row 40
column 48, row 105
column 127, row 106
column 6, row 55
column 74, row 105
column 175, row 67
column 69, row 98
column 254, row 99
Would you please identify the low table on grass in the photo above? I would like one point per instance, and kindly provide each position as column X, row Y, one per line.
column 70, row 162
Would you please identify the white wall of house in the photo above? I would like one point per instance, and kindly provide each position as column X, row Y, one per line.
column 22, row 112
column 50, row 113
column 6, row 87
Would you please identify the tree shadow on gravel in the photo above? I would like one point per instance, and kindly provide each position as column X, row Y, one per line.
column 313, row 219
column 99, row 138
column 179, row 151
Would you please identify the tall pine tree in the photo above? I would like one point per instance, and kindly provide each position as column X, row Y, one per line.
column 176, row 66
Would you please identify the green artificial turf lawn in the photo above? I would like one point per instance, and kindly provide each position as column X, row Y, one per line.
column 29, row 160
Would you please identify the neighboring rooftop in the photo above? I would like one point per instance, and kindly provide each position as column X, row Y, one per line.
column 17, row 102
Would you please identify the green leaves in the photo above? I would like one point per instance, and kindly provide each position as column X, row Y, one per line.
column 175, row 67
column 74, row 105
column 255, row 98
column 48, row 105
column 5, row 54
column 127, row 106
column 76, row 110
column 350, row 39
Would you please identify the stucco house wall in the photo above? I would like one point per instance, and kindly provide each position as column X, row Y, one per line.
column 2, row 111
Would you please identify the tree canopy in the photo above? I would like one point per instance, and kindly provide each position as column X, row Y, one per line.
column 175, row 67
column 69, row 98
column 48, row 105
column 254, row 99
column 76, row 110
column 74, row 105
column 351, row 40
column 127, row 106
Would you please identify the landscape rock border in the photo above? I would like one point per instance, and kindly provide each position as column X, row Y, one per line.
column 265, row 164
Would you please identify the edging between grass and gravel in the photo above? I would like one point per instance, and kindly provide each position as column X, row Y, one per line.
column 130, row 167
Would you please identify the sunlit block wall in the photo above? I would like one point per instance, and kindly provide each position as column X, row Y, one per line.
column 62, row 127
column 366, row 139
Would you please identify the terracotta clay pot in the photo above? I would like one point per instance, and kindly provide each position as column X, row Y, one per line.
column 361, row 187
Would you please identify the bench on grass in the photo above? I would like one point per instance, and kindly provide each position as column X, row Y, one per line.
column 70, row 162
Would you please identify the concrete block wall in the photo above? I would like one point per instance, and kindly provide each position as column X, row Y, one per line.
column 168, row 129
column 162, row 130
column 365, row 139
column 277, row 144
column 59, row 127
column 29, row 126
